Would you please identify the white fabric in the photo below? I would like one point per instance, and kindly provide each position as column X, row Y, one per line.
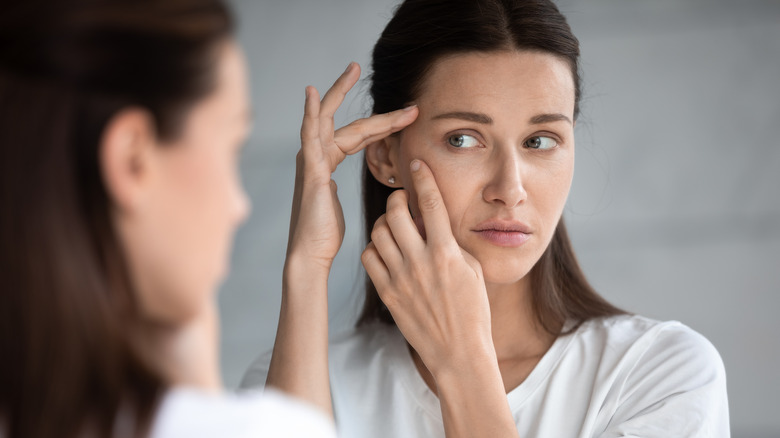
column 625, row 376
column 194, row 414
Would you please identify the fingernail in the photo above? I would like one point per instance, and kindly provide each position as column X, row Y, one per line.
column 349, row 66
column 410, row 107
column 415, row 166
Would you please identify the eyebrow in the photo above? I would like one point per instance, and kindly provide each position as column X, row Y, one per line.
column 547, row 118
column 465, row 115
column 487, row 120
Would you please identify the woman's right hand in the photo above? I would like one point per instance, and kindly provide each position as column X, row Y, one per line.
column 299, row 364
column 317, row 221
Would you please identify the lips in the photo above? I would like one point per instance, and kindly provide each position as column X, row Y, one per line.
column 506, row 233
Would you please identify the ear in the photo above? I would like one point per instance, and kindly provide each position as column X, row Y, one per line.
column 126, row 157
column 382, row 159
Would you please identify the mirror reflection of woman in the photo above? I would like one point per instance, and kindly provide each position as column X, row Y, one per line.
column 478, row 320
column 121, row 124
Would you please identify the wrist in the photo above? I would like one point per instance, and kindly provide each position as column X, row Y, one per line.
column 467, row 377
column 303, row 268
column 465, row 361
column 303, row 276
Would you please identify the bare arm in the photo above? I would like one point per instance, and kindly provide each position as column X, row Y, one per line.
column 299, row 364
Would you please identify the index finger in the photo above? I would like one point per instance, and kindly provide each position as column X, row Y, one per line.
column 354, row 137
column 431, row 204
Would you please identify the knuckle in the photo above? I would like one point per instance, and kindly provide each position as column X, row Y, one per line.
column 430, row 202
column 387, row 297
column 358, row 127
column 397, row 199
column 378, row 233
column 395, row 213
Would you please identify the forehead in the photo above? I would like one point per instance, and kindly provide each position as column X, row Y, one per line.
column 227, row 106
column 500, row 81
column 232, row 83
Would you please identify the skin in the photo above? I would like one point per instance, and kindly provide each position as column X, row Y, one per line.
column 299, row 363
column 178, row 204
column 176, row 207
column 461, row 300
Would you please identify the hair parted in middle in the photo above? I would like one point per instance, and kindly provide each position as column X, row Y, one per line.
column 421, row 33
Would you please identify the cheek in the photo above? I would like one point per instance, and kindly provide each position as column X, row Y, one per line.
column 193, row 230
column 457, row 178
column 548, row 188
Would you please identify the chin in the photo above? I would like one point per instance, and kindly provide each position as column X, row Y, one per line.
column 505, row 273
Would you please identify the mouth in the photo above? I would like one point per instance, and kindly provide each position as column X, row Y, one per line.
column 504, row 233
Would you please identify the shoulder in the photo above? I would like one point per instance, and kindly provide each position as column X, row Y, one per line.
column 193, row 413
column 669, row 344
column 660, row 376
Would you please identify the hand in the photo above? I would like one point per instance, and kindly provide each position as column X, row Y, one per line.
column 317, row 221
column 299, row 364
column 433, row 288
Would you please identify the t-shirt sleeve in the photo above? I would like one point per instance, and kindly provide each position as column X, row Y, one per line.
column 255, row 376
column 676, row 388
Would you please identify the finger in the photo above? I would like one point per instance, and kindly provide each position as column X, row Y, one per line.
column 402, row 226
column 375, row 267
column 431, row 204
column 355, row 136
column 310, row 129
column 386, row 246
column 336, row 94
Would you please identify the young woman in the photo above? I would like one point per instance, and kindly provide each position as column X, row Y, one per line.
column 478, row 320
column 120, row 126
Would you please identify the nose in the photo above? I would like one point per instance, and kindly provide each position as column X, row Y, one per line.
column 242, row 206
column 506, row 183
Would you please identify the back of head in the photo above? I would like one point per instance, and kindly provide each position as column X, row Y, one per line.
column 67, row 307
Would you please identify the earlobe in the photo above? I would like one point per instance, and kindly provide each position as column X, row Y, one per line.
column 124, row 156
column 381, row 157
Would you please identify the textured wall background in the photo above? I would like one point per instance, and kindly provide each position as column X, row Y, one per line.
column 675, row 211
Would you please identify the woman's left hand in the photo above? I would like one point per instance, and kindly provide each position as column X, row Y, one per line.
column 436, row 293
column 433, row 288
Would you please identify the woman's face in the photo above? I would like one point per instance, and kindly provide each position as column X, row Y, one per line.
column 181, row 237
column 497, row 131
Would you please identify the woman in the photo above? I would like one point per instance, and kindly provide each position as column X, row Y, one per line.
column 478, row 320
column 120, row 127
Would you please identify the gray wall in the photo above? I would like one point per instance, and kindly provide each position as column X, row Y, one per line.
column 674, row 211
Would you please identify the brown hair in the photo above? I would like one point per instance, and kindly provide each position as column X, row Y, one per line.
column 420, row 33
column 67, row 307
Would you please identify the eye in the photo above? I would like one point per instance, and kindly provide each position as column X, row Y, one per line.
column 540, row 142
column 462, row 141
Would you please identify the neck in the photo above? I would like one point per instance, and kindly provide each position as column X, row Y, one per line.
column 516, row 333
column 184, row 354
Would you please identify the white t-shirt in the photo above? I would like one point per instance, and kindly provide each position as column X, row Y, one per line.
column 624, row 376
column 192, row 413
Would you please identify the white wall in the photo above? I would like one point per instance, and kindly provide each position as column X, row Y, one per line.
column 674, row 211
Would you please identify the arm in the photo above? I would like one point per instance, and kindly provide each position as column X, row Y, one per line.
column 299, row 364
column 436, row 294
